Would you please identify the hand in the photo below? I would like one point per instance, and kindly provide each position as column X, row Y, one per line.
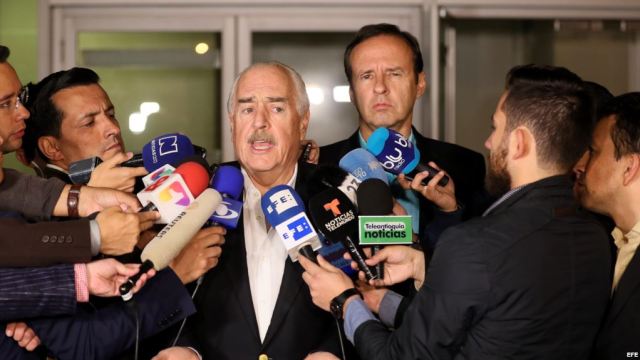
column 321, row 355
column 200, row 255
column 110, row 174
column 120, row 231
column 443, row 197
column 176, row 353
column 400, row 263
column 314, row 153
column 105, row 276
column 325, row 281
column 23, row 335
column 372, row 295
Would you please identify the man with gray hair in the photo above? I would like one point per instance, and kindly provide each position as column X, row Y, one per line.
column 255, row 304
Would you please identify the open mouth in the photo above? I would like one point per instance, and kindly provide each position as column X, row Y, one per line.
column 261, row 145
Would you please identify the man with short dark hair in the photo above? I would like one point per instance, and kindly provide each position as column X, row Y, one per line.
column 385, row 70
column 611, row 186
column 529, row 279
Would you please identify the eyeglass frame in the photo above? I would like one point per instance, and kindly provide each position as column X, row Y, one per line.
column 21, row 99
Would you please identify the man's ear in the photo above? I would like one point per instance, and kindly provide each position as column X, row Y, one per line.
column 519, row 143
column 50, row 148
column 632, row 168
column 421, row 85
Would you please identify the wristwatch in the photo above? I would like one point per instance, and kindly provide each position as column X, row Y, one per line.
column 337, row 303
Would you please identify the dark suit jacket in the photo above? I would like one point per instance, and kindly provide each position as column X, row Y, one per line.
column 43, row 243
column 225, row 325
column 105, row 333
column 620, row 332
column 33, row 292
column 465, row 167
column 529, row 281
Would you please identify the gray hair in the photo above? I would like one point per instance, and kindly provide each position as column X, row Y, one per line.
column 302, row 100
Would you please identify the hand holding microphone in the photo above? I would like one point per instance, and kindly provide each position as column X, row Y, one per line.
column 111, row 174
column 444, row 197
column 398, row 155
column 174, row 236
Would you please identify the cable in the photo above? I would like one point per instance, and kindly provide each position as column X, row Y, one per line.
column 184, row 321
column 132, row 308
column 344, row 355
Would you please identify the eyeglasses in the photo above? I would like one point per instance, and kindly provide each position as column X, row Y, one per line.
column 22, row 98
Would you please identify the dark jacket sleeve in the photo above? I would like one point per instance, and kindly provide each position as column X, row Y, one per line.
column 44, row 244
column 107, row 332
column 29, row 195
column 33, row 292
column 435, row 325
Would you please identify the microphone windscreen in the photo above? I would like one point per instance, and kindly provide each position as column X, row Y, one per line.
column 166, row 149
column 374, row 198
column 165, row 246
column 228, row 180
column 334, row 215
column 363, row 165
column 195, row 175
column 281, row 203
column 324, row 177
column 394, row 152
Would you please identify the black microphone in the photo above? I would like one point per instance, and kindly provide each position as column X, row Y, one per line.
column 335, row 217
column 375, row 198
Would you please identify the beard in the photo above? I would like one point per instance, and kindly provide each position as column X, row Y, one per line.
column 498, row 181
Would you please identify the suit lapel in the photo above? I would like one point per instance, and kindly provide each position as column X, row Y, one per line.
column 629, row 282
column 289, row 290
column 238, row 275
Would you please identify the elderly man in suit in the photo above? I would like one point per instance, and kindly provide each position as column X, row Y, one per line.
column 528, row 280
column 255, row 302
column 611, row 186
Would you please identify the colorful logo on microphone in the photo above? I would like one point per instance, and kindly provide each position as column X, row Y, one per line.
column 333, row 206
column 163, row 171
column 175, row 190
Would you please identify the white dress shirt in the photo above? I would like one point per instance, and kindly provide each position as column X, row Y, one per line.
column 266, row 255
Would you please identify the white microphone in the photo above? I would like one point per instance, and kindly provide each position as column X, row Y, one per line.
column 165, row 246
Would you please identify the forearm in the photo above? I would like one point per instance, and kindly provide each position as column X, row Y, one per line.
column 34, row 292
column 29, row 195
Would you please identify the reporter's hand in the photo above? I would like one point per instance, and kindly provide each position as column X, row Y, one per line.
column 200, row 255
column 23, row 335
column 105, row 276
column 325, row 281
column 176, row 353
column 120, row 231
column 371, row 295
column 400, row 263
column 443, row 196
column 109, row 174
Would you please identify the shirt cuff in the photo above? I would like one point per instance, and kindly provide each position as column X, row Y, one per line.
column 82, row 282
column 389, row 307
column 355, row 315
column 94, row 231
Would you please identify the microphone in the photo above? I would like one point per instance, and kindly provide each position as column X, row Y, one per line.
column 165, row 149
column 335, row 218
column 173, row 237
column 229, row 182
column 330, row 176
column 284, row 210
column 170, row 194
column 375, row 198
column 398, row 155
column 363, row 165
